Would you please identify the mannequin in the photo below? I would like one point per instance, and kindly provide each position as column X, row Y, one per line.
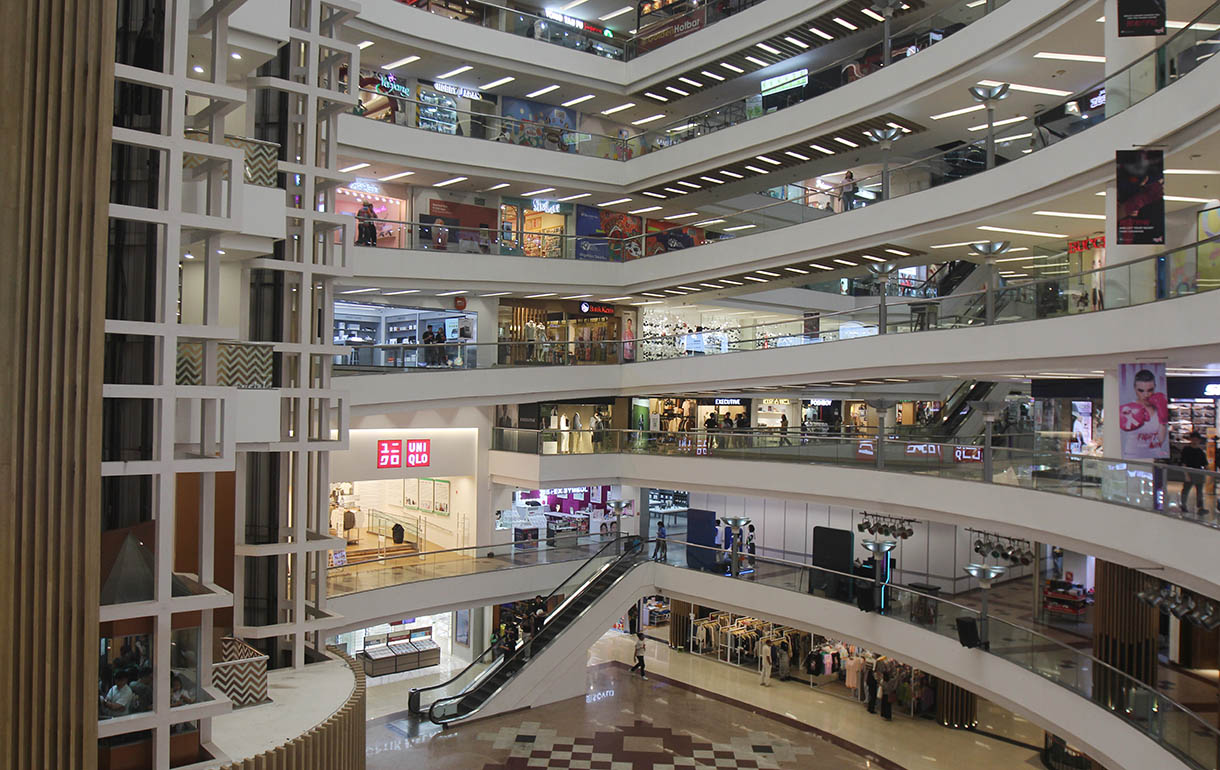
column 577, row 434
column 565, row 435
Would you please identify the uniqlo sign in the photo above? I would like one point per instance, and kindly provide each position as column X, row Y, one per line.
column 418, row 453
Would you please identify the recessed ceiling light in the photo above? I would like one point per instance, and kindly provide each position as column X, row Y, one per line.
column 614, row 299
column 404, row 61
column 847, row 262
column 755, row 279
column 354, row 167
column 820, row 148
column 648, row 119
column 758, row 170
column 767, row 273
column 652, row 194
column 731, row 281
column 950, row 245
column 962, row 111
column 796, row 155
column 645, row 210
column 756, row 60
column 707, row 222
column 615, row 202
column 577, row 296
column 903, row 129
column 769, row 49
column 733, row 174
column 1013, row 138
column 358, row 291
column 796, row 42
column 1192, row 172
column 1187, row 199
column 772, row 161
column 497, row 83
column 1027, row 89
column 820, row 267
column 847, row 142
column 616, row 14
column 392, row 177
column 364, row 44
column 731, row 67
column 712, row 75
column 872, row 258
column 688, row 288
column 235, row 55
column 400, row 291
column 675, row 191
column 496, row 294
column 899, row 253
column 845, row 23
column 221, row 252
column 451, row 293
column 575, row 197
column 652, row 294
column 739, row 227
column 675, row 291
column 1070, row 57
column 658, row 97
column 455, row 180
column 690, row 82
column 993, row 229
column 452, row 72
column 821, row 34
column 691, row 185
column 541, row 91
column 797, row 270
column 619, row 108
column 998, row 123
column 532, row 193
column 682, row 127
column 573, row 4
column 869, row 12
column 540, row 296
column 713, row 180
column 500, row 186
column 677, row 91
column 1069, row 215
column 198, row 69
column 579, row 100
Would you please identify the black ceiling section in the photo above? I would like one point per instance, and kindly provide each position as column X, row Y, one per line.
column 851, row 11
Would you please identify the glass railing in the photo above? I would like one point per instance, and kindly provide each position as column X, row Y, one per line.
column 966, row 157
column 1148, row 486
column 1174, row 273
column 371, row 574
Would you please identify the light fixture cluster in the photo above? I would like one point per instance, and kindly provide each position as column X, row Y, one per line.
column 1174, row 601
column 886, row 526
column 1015, row 551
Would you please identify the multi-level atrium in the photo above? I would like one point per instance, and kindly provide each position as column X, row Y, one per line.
column 754, row 383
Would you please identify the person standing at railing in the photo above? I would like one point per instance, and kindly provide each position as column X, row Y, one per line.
column 660, row 550
column 783, row 431
column 366, row 229
column 427, row 339
column 729, row 438
column 1194, row 456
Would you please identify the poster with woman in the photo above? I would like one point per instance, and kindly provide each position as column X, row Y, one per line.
column 1144, row 414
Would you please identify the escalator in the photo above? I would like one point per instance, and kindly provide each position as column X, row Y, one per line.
column 468, row 691
column 956, row 409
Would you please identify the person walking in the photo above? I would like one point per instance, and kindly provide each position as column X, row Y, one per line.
column 1194, row 456
column 764, row 657
column 870, row 687
column 660, row 550
column 783, row 431
column 639, row 656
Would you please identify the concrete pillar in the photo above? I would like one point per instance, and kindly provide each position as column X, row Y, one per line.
column 1111, row 433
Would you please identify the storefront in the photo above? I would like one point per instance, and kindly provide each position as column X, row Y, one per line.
column 388, row 335
column 546, row 517
column 384, row 228
column 534, row 227
column 770, row 413
column 386, row 98
column 916, row 412
column 821, row 415
column 449, row 109
column 455, row 222
column 566, row 332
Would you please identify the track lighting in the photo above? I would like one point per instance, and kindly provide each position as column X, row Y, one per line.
column 1183, row 608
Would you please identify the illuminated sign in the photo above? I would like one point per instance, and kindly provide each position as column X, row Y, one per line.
column 449, row 88
column 363, row 185
column 1087, row 244
column 968, row 454
column 820, row 402
column 779, row 83
column 1211, row 389
column 419, row 453
column 389, row 85
column 545, row 206
column 596, row 309
column 390, row 453
column 726, row 402
column 866, row 450
column 1098, row 99
column 776, row 401
column 923, row 450
column 575, row 23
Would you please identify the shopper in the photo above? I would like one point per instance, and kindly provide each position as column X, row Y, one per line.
column 870, row 686
column 427, row 339
column 633, row 619
column 660, row 549
column 366, row 228
column 750, row 547
column 783, row 662
column 889, row 690
column 639, row 655
column 783, row 431
column 730, row 440
column 710, row 424
column 742, row 427
column 118, row 700
column 1194, row 456
column 764, row 657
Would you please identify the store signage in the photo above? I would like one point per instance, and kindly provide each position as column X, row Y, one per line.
column 390, row 453
column 923, row 450
column 726, row 402
column 784, row 82
column 776, row 401
column 968, row 454
column 866, row 450
column 1211, row 389
column 1087, row 244
column 820, row 402
column 672, row 30
column 545, row 206
column 389, row 85
column 419, row 453
column 363, row 185
column 576, row 23
column 449, row 88
column 1098, row 99
column 596, row 309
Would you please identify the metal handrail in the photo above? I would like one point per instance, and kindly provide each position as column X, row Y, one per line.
column 439, row 552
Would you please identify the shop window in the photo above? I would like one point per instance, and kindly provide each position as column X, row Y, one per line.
column 132, row 256
column 129, row 360
column 125, row 674
column 261, row 606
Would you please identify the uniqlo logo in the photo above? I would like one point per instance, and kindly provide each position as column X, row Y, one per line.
column 389, row 454
column 419, row 453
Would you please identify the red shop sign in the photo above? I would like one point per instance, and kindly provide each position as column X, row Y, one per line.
column 968, row 454
column 866, row 450
column 923, row 450
column 389, row 453
column 418, row 453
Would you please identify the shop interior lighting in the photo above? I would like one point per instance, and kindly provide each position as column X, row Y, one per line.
column 652, row 194
column 645, row 210
column 739, row 227
column 731, row 282
column 796, row 155
column 733, row 174
column 500, row 186
column 364, row 44
column 658, row 97
column 826, row 35
column 675, row 191
column 619, row 108
column 235, row 55
column 820, row 267
column 796, row 41
column 579, row 100
column 962, row 111
column 354, row 167
column 1069, row 215
column 731, row 67
column 869, row 12
column 756, row 60
column 845, row 23
column 615, row 202
column 404, row 61
column 540, row 296
column 455, row 72
column 690, row 82
column 898, row 253
column 496, row 294
column 358, row 291
column 648, row 119
column 497, row 83
column 188, row 255
column 677, row 91
column 993, row 229
column 691, row 185
column 575, row 197
column 772, row 161
column 712, row 75
column 769, row 49
column 578, row 296
column 543, row 90
column 1085, row 57
column 532, row 193
column 821, row 149
column 684, row 216
column 400, row 291
column 713, row 180
column 451, row 293
column 797, row 270
column 707, row 222
column 758, row 170
column 616, row 14
column 847, row 142
column 997, row 124
column 1026, row 89
column 392, row 177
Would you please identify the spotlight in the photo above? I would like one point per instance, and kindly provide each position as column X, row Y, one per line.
column 863, row 525
column 1182, row 609
column 884, row 529
column 1149, row 597
column 1212, row 623
column 978, row 546
column 996, row 551
column 872, row 528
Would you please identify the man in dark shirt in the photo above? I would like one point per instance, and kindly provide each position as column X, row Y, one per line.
column 1194, row 456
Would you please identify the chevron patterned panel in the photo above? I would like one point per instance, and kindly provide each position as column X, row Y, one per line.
column 242, row 673
column 189, row 369
column 245, row 366
column 261, row 164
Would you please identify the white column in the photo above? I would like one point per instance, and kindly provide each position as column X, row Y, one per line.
column 1111, row 434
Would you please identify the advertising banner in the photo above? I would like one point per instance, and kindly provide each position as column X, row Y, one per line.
column 607, row 226
column 548, row 125
column 1144, row 415
column 1141, row 197
column 1208, row 255
column 1141, row 18
column 672, row 30
column 671, row 237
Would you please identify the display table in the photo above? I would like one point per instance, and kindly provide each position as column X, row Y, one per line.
column 401, row 651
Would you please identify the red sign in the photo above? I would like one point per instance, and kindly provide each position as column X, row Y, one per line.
column 1087, row 244
column 389, row 453
column 459, row 303
column 923, row 450
column 419, row 453
column 967, row 454
column 866, row 450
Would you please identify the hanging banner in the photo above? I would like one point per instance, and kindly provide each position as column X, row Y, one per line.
column 614, row 235
column 669, row 31
column 1140, row 206
column 1141, row 18
column 1144, row 414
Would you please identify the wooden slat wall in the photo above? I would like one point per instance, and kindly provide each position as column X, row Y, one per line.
column 1124, row 630
column 56, row 79
column 336, row 744
column 955, row 706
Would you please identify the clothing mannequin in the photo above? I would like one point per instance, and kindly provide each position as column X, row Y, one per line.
column 578, row 436
column 565, row 435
